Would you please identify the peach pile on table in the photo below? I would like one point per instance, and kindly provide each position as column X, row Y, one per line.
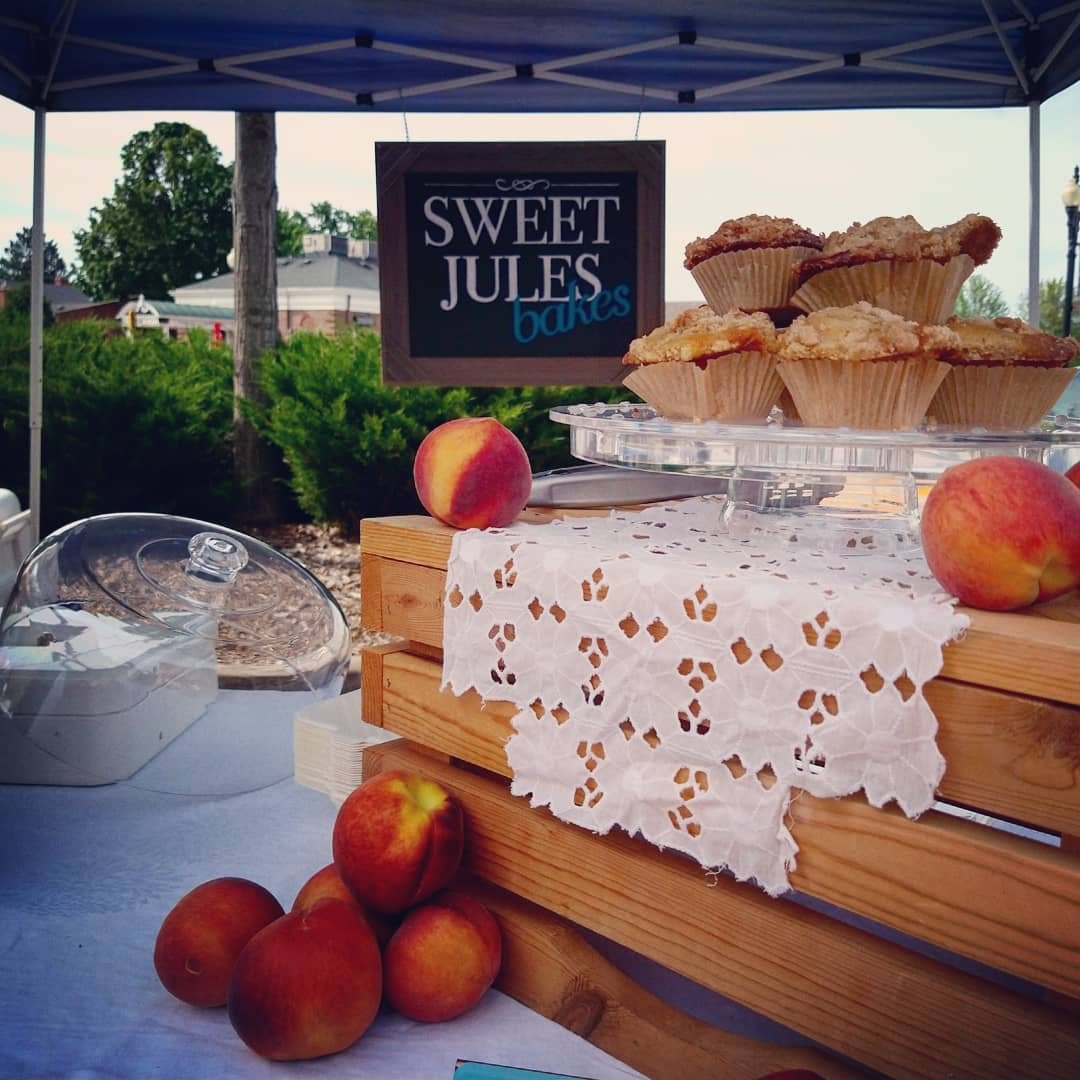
column 378, row 924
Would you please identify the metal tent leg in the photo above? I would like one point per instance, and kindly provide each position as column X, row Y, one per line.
column 1033, row 219
column 37, row 321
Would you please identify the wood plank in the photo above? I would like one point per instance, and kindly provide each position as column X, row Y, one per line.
column 370, row 591
column 1020, row 651
column 868, row 999
column 371, row 680
column 1007, row 902
column 549, row 966
column 1034, row 652
column 1009, row 756
column 1011, row 903
column 411, row 607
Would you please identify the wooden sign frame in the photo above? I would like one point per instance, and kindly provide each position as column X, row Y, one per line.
column 396, row 161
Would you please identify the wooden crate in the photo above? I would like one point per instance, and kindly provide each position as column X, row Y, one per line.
column 1008, row 702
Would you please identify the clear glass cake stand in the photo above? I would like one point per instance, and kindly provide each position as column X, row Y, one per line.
column 841, row 490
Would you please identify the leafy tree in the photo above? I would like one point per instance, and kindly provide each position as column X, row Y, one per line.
column 15, row 262
column 980, row 296
column 363, row 226
column 1051, row 305
column 322, row 217
column 168, row 222
column 17, row 306
column 326, row 218
column 291, row 226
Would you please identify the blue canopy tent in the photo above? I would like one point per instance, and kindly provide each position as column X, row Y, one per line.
column 526, row 56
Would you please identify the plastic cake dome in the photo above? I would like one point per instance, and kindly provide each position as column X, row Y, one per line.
column 161, row 652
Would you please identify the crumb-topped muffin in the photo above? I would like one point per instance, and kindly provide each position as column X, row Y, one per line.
column 747, row 262
column 1004, row 374
column 896, row 264
column 862, row 366
column 1004, row 341
column 862, row 332
column 700, row 334
column 701, row 365
column 903, row 239
column 752, row 231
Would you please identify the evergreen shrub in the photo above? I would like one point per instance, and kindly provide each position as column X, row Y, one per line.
column 349, row 442
column 129, row 423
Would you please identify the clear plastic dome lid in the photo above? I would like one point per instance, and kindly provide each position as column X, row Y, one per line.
column 162, row 652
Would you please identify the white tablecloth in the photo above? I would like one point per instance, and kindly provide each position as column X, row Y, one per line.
column 86, row 876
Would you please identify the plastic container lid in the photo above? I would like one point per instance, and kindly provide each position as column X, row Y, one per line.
column 163, row 652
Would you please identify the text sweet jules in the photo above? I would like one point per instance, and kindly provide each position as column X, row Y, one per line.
column 568, row 290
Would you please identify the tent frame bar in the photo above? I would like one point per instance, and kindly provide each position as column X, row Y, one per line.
column 238, row 66
column 1060, row 44
column 37, row 321
column 16, row 71
column 1021, row 74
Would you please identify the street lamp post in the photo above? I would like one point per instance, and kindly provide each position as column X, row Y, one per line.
column 1071, row 198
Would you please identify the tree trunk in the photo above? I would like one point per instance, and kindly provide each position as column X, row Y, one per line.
column 254, row 305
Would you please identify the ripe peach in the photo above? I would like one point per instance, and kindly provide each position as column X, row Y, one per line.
column 443, row 958
column 1073, row 474
column 327, row 884
column 202, row 936
column 472, row 473
column 308, row 984
column 397, row 839
column 1003, row 532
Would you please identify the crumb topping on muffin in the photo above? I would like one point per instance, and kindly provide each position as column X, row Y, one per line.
column 905, row 240
column 700, row 334
column 862, row 332
column 1009, row 341
column 752, row 231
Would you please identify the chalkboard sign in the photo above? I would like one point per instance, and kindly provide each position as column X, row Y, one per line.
column 511, row 264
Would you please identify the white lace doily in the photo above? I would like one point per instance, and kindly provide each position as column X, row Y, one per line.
column 678, row 682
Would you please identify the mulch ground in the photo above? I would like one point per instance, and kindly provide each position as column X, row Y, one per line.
column 334, row 559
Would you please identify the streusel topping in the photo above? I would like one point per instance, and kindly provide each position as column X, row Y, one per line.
column 700, row 334
column 905, row 240
column 862, row 332
column 1010, row 341
column 752, row 231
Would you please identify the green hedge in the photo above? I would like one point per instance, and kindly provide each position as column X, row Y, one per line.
column 129, row 423
column 144, row 423
column 349, row 442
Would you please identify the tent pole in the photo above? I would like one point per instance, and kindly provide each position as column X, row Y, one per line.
column 1033, row 220
column 37, row 320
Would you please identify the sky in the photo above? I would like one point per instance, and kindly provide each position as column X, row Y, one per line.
column 824, row 169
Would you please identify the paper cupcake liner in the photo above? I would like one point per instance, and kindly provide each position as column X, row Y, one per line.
column 924, row 291
column 741, row 386
column 885, row 394
column 754, row 280
column 786, row 405
column 1001, row 396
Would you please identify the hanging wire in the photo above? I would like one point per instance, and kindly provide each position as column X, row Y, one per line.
column 404, row 114
column 640, row 108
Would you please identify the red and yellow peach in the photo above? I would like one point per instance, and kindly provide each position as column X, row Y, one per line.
column 472, row 473
column 1003, row 532
column 397, row 839
column 307, row 985
column 326, row 884
column 201, row 938
column 443, row 958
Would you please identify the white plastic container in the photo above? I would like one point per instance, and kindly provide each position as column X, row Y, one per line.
column 163, row 652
